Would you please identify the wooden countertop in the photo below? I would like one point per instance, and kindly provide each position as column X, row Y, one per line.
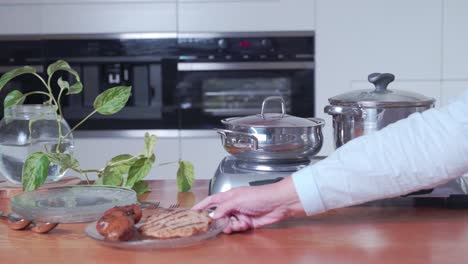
column 367, row 234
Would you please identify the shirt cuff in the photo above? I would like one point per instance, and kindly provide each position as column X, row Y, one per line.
column 308, row 191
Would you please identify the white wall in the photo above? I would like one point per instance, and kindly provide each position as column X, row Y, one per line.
column 356, row 38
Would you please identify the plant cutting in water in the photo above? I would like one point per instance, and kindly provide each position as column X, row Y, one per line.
column 122, row 170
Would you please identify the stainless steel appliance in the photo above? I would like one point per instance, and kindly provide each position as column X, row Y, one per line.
column 229, row 74
column 266, row 147
column 272, row 137
column 361, row 112
column 233, row 173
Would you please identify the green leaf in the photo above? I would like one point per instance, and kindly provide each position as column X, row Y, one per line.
column 35, row 171
column 141, row 187
column 139, row 170
column 61, row 65
column 76, row 88
column 185, row 176
column 65, row 161
column 112, row 100
column 14, row 97
column 112, row 178
column 122, row 158
column 13, row 73
column 121, row 163
column 150, row 142
column 63, row 84
column 121, row 169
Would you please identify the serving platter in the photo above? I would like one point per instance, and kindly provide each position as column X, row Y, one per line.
column 140, row 242
column 70, row 204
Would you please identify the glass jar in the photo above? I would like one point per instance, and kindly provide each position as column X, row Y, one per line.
column 25, row 129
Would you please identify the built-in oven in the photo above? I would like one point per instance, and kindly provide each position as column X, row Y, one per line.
column 223, row 75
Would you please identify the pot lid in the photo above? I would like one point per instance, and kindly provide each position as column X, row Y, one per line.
column 381, row 96
column 273, row 119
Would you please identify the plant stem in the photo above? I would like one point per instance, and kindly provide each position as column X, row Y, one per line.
column 82, row 172
column 59, row 143
column 58, row 100
column 34, row 92
column 167, row 163
column 42, row 80
column 81, row 122
column 87, row 179
column 59, row 121
column 57, row 115
column 86, row 171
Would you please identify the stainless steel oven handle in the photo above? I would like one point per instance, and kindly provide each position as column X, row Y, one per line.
column 233, row 66
column 6, row 68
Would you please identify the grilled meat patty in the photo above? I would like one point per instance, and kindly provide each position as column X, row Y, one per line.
column 175, row 223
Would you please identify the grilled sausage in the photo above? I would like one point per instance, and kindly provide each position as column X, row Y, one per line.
column 133, row 210
column 117, row 224
column 116, row 228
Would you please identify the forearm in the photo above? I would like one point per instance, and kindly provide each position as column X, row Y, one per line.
column 419, row 152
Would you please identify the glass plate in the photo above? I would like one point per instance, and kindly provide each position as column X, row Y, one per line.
column 144, row 243
column 71, row 204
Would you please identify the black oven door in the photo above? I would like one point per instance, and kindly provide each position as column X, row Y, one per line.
column 207, row 92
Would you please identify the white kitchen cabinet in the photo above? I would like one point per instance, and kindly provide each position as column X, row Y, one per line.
column 20, row 19
column 356, row 38
column 205, row 152
column 93, row 18
column 233, row 16
column 455, row 39
column 94, row 152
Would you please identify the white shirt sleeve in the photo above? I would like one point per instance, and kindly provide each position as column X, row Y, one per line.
column 422, row 151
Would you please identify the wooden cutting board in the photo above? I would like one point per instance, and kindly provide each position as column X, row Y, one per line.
column 8, row 189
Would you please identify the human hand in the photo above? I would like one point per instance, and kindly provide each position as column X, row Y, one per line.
column 253, row 207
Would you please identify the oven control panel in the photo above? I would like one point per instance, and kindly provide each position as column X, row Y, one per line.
column 246, row 48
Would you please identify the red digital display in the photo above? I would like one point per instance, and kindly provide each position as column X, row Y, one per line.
column 244, row 44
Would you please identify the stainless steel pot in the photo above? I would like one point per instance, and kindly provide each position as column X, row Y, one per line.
column 272, row 137
column 364, row 111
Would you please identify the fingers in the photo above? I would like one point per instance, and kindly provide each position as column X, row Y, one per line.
column 211, row 201
column 225, row 209
column 238, row 223
column 204, row 204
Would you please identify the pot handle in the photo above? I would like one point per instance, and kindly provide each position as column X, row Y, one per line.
column 342, row 110
column 225, row 133
column 317, row 121
column 381, row 80
column 274, row 98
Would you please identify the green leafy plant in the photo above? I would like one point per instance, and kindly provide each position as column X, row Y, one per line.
column 122, row 170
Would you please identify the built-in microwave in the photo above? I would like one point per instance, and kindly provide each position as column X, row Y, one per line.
column 147, row 62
